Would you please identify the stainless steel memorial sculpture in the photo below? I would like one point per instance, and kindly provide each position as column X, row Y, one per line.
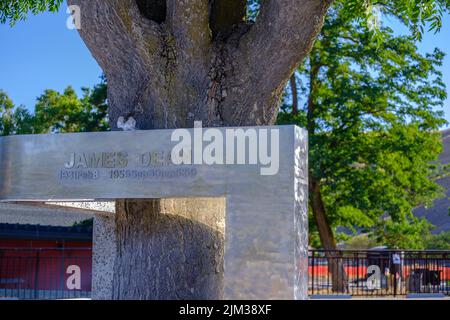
column 266, row 235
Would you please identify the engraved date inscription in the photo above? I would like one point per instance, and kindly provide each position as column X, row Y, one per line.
column 78, row 175
column 153, row 173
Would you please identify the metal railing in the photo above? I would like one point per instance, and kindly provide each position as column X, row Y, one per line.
column 378, row 273
column 41, row 274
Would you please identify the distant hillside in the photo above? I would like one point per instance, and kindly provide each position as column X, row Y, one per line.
column 438, row 214
column 445, row 156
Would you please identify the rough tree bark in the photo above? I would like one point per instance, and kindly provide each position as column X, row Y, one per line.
column 172, row 62
column 169, row 249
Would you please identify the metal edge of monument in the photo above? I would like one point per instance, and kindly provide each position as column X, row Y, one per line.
column 266, row 222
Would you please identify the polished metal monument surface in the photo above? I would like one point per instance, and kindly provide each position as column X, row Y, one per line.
column 266, row 235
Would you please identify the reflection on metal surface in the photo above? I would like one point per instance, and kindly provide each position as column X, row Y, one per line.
column 266, row 216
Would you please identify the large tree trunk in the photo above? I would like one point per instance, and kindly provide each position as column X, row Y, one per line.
column 169, row 249
column 166, row 69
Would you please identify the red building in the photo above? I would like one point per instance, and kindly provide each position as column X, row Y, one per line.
column 45, row 262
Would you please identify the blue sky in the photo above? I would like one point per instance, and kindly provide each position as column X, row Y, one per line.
column 41, row 53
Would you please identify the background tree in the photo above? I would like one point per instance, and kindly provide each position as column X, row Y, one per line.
column 57, row 113
column 169, row 63
column 370, row 111
column 438, row 241
column 6, row 115
column 65, row 112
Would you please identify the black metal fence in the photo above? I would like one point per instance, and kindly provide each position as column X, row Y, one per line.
column 378, row 273
column 45, row 273
column 67, row 273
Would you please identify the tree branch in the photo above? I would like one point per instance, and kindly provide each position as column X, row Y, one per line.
column 311, row 105
column 127, row 46
column 188, row 21
column 282, row 36
column 293, row 83
column 115, row 30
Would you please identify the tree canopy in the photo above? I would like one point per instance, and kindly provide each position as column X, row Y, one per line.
column 14, row 10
